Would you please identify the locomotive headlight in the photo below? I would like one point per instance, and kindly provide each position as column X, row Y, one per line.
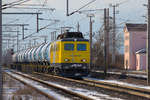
column 83, row 60
column 66, row 60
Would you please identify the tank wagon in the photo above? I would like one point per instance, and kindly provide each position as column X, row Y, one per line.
column 68, row 56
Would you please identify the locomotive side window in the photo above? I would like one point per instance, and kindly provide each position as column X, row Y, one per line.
column 81, row 47
column 69, row 47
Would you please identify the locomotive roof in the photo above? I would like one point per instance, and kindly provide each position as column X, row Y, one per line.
column 74, row 39
column 70, row 35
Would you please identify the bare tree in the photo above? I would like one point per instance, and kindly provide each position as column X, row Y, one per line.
column 98, row 48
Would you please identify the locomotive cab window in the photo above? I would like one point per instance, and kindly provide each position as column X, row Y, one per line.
column 69, row 47
column 81, row 47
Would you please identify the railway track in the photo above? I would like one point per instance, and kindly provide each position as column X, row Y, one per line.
column 44, row 83
column 140, row 92
column 135, row 75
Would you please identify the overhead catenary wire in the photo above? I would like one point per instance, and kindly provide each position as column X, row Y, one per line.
column 79, row 8
column 12, row 5
column 33, row 8
column 16, row 4
column 38, row 11
column 40, row 29
column 39, row 8
column 86, row 5
column 27, row 5
column 90, row 10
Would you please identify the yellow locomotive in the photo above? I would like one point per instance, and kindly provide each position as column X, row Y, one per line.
column 68, row 56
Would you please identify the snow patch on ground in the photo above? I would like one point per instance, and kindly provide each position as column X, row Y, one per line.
column 92, row 94
column 120, row 83
column 37, row 85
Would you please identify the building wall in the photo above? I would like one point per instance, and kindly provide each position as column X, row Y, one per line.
column 138, row 62
column 136, row 40
column 126, row 49
column 141, row 61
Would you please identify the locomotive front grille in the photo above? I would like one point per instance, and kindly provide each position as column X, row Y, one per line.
column 72, row 70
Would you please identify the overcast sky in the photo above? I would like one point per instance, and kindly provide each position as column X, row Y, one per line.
column 129, row 11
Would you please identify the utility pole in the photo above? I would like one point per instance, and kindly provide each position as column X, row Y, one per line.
column 148, row 45
column 37, row 22
column 67, row 8
column 114, row 35
column 25, row 46
column 23, row 32
column 29, row 45
column 1, row 74
column 8, row 43
column 17, row 39
column 53, row 36
column 25, row 13
column 34, row 41
column 105, row 41
column 91, row 29
column 78, row 27
column 107, row 37
column 13, row 43
column 45, row 39
column 21, row 25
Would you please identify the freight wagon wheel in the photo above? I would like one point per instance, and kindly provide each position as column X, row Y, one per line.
column 50, row 70
column 56, row 71
column 45, row 69
column 36, row 68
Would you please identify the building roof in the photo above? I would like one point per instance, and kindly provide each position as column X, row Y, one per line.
column 136, row 27
column 141, row 51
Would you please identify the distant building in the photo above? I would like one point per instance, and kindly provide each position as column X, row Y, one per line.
column 141, row 59
column 134, row 44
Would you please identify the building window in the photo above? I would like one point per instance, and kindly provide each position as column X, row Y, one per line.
column 126, row 48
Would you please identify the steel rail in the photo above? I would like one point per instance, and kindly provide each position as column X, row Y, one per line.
column 126, row 74
column 29, row 85
column 54, row 86
column 142, row 90
column 145, row 93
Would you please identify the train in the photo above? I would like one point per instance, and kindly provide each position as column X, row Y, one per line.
column 68, row 56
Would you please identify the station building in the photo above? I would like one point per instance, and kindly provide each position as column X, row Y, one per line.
column 135, row 46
